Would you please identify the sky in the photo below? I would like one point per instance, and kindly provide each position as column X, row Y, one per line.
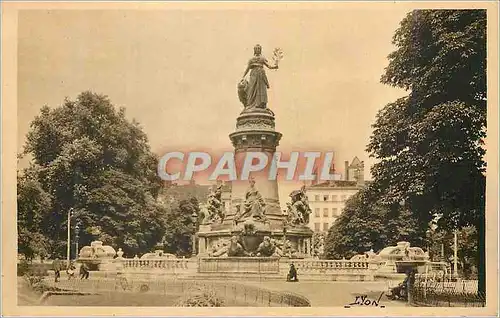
column 176, row 71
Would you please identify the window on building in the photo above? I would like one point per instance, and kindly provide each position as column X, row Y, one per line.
column 325, row 227
column 335, row 212
column 316, row 197
column 325, row 212
column 316, row 212
column 335, row 198
column 317, row 227
column 325, row 197
column 344, row 197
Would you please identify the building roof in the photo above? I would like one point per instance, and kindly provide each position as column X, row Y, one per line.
column 335, row 184
column 339, row 184
column 355, row 163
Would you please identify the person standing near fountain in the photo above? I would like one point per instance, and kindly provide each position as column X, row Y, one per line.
column 71, row 270
column 84, row 271
column 292, row 274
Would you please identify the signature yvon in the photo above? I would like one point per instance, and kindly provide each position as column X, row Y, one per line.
column 363, row 300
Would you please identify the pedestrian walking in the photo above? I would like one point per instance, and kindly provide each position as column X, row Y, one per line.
column 56, row 266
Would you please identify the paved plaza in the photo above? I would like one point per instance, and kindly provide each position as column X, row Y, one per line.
column 320, row 294
column 332, row 294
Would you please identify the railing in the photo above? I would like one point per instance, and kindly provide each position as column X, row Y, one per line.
column 460, row 293
column 333, row 265
column 231, row 293
column 257, row 265
column 254, row 295
column 145, row 264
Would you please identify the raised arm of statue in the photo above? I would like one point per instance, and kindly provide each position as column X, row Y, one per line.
column 275, row 67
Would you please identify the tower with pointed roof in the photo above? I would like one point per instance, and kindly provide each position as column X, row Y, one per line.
column 355, row 171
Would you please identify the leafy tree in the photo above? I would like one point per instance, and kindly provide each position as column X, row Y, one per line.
column 182, row 222
column 318, row 248
column 467, row 240
column 89, row 159
column 33, row 204
column 430, row 143
column 442, row 241
column 438, row 244
column 367, row 224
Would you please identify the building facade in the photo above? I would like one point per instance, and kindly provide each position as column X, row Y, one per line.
column 327, row 199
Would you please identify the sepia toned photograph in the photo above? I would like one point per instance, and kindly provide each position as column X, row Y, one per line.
column 250, row 155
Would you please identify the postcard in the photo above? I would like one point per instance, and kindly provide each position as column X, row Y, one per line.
column 160, row 158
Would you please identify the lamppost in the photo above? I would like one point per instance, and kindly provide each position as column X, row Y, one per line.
column 194, row 218
column 455, row 254
column 68, row 243
column 77, row 238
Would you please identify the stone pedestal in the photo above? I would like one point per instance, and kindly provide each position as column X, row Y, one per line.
column 255, row 132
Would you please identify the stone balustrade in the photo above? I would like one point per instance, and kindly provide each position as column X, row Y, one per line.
column 333, row 265
column 150, row 264
column 345, row 270
column 272, row 268
column 251, row 265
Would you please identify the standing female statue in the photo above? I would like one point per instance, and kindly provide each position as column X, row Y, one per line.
column 253, row 93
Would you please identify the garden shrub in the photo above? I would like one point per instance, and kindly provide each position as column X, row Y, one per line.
column 202, row 297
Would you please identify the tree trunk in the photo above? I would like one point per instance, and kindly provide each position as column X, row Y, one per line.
column 481, row 270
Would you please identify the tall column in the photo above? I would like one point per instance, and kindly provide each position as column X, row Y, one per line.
column 202, row 245
column 308, row 246
column 255, row 132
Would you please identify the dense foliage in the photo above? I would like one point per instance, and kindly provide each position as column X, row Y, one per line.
column 428, row 145
column 89, row 159
column 318, row 247
column 181, row 222
column 201, row 297
column 440, row 244
column 367, row 224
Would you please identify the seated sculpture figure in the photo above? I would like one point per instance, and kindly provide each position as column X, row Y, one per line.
column 235, row 248
column 284, row 248
column 219, row 248
column 266, row 248
column 298, row 209
column 253, row 206
column 228, row 248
